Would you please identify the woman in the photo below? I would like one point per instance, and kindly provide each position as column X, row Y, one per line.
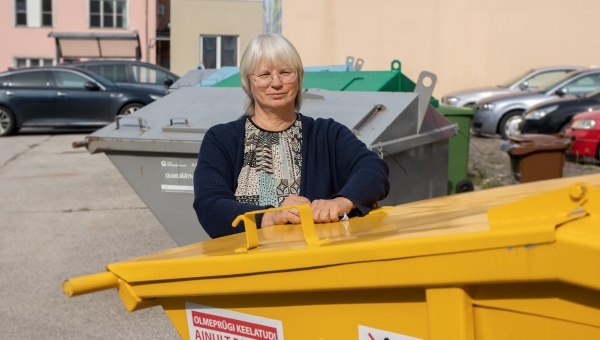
column 275, row 156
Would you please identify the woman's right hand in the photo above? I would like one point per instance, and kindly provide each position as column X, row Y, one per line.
column 285, row 216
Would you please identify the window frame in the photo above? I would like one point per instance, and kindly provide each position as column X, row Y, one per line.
column 51, row 13
column 151, row 68
column 28, row 61
column 114, row 15
column 49, row 79
column 17, row 12
column 102, row 87
column 218, row 48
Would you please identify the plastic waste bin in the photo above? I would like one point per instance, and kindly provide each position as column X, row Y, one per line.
column 458, row 150
column 536, row 157
column 507, row 263
column 156, row 148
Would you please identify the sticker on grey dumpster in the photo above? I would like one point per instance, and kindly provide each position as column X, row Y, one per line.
column 368, row 333
column 208, row 323
column 177, row 175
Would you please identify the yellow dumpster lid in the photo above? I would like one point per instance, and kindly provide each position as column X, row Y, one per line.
column 505, row 218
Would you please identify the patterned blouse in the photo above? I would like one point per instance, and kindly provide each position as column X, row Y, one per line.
column 272, row 165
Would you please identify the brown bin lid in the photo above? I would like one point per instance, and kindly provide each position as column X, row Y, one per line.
column 525, row 144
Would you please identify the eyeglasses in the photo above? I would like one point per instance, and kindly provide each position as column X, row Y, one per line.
column 264, row 78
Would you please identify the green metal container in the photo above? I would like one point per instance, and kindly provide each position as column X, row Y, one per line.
column 458, row 148
column 395, row 81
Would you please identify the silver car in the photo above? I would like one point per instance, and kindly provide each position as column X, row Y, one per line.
column 527, row 81
column 502, row 114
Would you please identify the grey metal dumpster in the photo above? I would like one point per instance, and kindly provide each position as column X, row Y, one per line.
column 156, row 148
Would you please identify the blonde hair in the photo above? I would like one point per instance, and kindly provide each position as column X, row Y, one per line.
column 276, row 51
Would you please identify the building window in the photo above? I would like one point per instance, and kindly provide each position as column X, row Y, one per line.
column 161, row 10
column 21, row 12
column 47, row 13
column 33, row 62
column 218, row 51
column 108, row 13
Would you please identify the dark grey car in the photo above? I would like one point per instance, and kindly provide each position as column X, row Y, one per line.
column 64, row 97
column 130, row 73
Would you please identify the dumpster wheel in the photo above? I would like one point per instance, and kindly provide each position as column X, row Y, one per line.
column 464, row 186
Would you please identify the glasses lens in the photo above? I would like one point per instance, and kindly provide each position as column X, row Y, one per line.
column 287, row 76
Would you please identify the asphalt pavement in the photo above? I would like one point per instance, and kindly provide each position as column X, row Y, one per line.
column 66, row 213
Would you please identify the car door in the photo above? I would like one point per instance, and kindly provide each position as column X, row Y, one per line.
column 31, row 98
column 77, row 105
column 543, row 77
column 150, row 77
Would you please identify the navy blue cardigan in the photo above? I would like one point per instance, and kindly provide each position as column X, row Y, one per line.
column 334, row 163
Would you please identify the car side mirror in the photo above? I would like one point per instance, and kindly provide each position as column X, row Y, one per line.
column 168, row 81
column 561, row 92
column 524, row 86
column 91, row 86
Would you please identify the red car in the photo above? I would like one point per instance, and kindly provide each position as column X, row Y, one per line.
column 585, row 128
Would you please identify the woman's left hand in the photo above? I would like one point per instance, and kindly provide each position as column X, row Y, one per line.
column 328, row 210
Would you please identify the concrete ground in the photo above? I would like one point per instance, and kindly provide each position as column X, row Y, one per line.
column 66, row 213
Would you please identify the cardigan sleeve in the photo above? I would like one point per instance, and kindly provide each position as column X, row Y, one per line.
column 366, row 175
column 214, row 185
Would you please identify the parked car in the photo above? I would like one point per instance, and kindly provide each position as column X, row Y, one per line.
column 130, row 73
column 527, row 81
column 585, row 130
column 554, row 116
column 64, row 97
column 503, row 114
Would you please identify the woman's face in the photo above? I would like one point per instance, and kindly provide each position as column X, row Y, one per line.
column 280, row 94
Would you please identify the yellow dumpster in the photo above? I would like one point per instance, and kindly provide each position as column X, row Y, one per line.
column 519, row 262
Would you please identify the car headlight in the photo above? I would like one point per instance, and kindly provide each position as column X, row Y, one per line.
column 155, row 96
column 451, row 100
column 487, row 107
column 584, row 124
column 539, row 114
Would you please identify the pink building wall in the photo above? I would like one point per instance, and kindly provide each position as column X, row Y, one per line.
column 70, row 16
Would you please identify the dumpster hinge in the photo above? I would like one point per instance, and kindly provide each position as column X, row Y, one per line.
column 561, row 203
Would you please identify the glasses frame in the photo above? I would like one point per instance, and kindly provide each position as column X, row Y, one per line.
column 255, row 78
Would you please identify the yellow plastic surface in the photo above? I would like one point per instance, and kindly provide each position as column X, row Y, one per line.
column 456, row 267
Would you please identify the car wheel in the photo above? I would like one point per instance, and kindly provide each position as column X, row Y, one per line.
column 130, row 108
column 7, row 122
column 509, row 124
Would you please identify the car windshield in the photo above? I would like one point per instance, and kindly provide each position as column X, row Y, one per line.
column 553, row 83
column 515, row 79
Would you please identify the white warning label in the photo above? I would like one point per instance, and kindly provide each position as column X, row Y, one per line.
column 207, row 323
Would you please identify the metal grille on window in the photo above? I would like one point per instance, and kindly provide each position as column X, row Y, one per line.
column 47, row 13
column 21, row 13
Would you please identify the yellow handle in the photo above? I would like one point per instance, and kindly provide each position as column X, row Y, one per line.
column 91, row 283
column 306, row 221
